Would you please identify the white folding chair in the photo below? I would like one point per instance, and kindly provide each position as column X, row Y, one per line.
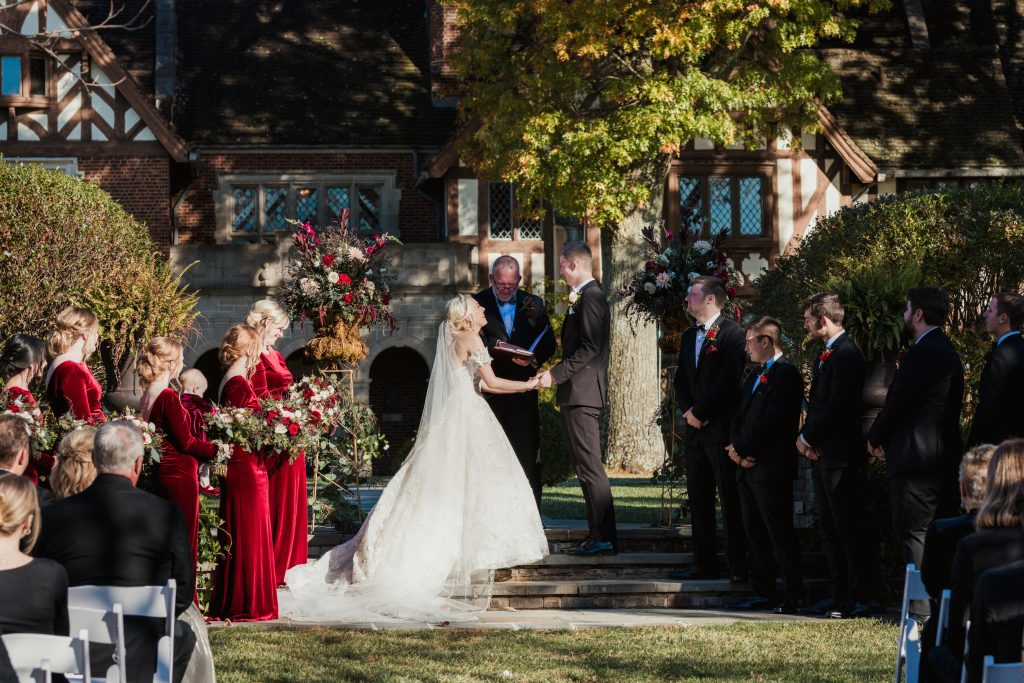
column 943, row 616
column 37, row 657
column 908, row 654
column 106, row 627
column 963, row 666
column 1001, row 673
column 137, row 601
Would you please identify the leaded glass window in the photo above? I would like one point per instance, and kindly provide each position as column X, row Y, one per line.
column 715, row 204
column 243, row 208
column 505, row 221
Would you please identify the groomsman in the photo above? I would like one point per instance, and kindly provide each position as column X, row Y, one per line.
column 917, row 432
column 832, row 440
column 707, row 392
column 764, row 432
column 999, row 415
column 519, row 318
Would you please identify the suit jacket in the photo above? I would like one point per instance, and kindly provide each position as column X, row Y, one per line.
column 768, row 420
column 1000, row 412
column 530, row 320
column 582, row 374
column 939, row 547
column 919, row 426
column 833, row 424
column 997, row 617
column 113, row 534
column 711, row 385
column 978, row 552
column 44, row 496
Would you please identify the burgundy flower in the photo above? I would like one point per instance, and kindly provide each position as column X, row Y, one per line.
column 327, row 260
column 293, row 429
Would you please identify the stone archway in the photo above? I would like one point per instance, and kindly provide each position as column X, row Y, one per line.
column 398, row 387
column 208, row 364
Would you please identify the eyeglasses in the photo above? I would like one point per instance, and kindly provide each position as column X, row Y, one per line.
column 500, row 285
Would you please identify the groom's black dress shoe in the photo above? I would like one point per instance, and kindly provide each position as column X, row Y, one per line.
column 589, row 547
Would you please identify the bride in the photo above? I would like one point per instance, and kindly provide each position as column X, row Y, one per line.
column 459, row 507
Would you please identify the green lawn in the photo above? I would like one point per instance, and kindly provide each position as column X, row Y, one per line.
column 858, row 650
column 637, row 500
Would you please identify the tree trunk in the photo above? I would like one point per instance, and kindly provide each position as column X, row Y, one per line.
column 634, row 382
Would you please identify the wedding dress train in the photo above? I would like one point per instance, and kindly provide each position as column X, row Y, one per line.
column 459, row 508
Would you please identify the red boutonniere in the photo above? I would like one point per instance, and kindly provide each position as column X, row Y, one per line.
column 712, row 333
column 763, row 379
column 825, row 356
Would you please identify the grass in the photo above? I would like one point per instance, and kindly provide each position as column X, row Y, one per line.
column 856, row 650
column 637, row 500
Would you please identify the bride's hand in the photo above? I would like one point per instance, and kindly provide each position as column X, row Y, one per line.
column 532, row 383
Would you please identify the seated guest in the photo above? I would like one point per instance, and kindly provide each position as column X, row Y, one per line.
column 113, row 534
column 74, row 471
column 14, row 451
column 998, row 541
column 33, row 591
column 997, row 618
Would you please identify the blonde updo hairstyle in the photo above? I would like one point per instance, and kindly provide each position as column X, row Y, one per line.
column 240, row 341
column 18, row 502
column 74, row 471
column 72, row 323
column 161, row 355
column 457, row 312
column 264, row 310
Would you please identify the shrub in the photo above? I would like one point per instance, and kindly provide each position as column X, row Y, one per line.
column 67, row 242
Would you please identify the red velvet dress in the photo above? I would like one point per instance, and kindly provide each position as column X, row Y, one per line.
column 288, row 503
column 39, row 461
column 179, row 456
column 245, row 589
column 72, row 387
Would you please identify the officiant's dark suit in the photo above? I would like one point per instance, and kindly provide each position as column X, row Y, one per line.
column 1000, row 412
column 765, row 429
column 709, row 385
column 833, row 429
column 919, row 428
column 582, row 379
column 518, row 413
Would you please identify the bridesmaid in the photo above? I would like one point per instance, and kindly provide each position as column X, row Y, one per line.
column 288, row 504
column 70, row 385
column 160, row 364
column 21, row 362
column 245, row 589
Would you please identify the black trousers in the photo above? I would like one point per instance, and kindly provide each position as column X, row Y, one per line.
column 519, row 416
column 708, row 468
column 768, row 519
column 838, row 493
column 583, row 430
column 914, row 500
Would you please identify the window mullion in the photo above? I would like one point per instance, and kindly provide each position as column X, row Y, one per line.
column 734, row 229
column 260, row 208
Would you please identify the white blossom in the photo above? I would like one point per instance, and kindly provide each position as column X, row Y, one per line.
column 703, row 246
column 663, row 280
column 356, row 254
column 333, row 277
column 308, row 286
column 650, row 287
column 280, row 428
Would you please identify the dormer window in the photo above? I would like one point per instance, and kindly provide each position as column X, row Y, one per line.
column 10, row 75
column 24, row 80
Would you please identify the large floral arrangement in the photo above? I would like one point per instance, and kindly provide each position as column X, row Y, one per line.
column 342, row 282
column 291, row 428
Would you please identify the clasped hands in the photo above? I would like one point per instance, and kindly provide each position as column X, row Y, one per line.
column 543, row 380
column 692, row 420
column 808, row 452
column 745, row 463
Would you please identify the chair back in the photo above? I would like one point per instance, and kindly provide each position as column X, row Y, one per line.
column 1001, row 673
column 106, row 627
column 908, row 652
column 36, row 657
column 947, row 595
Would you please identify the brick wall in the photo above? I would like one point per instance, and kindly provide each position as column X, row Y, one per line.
column 417, row 215
column 444, row 41
column 141, row 184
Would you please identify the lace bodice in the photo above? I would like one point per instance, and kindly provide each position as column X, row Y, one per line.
column 474, row 363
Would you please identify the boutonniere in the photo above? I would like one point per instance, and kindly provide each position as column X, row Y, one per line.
column 825, row 356
column 712, row 333
column 763, row 379
column 529, row 304
column 574, row 298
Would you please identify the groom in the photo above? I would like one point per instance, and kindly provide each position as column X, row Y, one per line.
column 582, row 379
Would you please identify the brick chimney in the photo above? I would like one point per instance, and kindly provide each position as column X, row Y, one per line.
column 166, row 44
column 444, row 40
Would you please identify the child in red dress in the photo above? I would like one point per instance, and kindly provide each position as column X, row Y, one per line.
column 193, row 387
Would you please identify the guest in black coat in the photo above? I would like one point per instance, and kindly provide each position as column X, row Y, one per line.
column 834, row 443
column 707, row 386
column 113, row 534
column 518, row 318
column 998, row 541
column 918, row 430
column 764, row 433
column 997, row 618
column 1000, row 412
column 14, row 452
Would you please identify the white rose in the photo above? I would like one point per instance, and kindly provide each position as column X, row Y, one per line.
column 280, row 428
column 333, row 277
column 649, row 287
column 574, row 298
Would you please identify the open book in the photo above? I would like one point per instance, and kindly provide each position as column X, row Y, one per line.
column 506, row 350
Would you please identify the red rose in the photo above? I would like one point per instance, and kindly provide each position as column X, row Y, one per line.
column 293, row 429
column 344, row 279
column 712, row 333
column 286, row 420
column 824, row 357
column 660, row 270
column 272, row 415
column 763, row 379
column 650, row 265
column 315, row 416
column 385, row 299
column 731, row 292
column 308, row 394
column 14, row 409
column 328, row 260
column 349, row 298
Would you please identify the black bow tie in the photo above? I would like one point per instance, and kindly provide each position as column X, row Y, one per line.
column 701, row 327
column 764, row 368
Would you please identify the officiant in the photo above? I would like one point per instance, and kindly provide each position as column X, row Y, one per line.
column 518, row 318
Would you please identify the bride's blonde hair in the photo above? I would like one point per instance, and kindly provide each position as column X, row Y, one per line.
column 457, row 311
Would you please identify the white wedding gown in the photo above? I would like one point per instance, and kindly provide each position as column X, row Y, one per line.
column 459, row 508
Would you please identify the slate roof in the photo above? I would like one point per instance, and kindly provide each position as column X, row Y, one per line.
column 135, row 47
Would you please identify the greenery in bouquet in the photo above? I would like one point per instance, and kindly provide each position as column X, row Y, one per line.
column 673, row 261
column 233, row 427
column 290, row 427
column 337, row 272
column 38, row 420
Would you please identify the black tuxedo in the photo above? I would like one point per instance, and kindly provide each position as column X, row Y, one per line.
column 1000, row 412
column 833, row 429
column 765, row 429
column 710, row 387
column 518, row 413
column 113, row 534
column 997, row 617
column 582, row 378
column 919, row 428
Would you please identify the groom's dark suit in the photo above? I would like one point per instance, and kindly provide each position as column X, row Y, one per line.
column 582, row 378
column 710, row 387
column 518, row 413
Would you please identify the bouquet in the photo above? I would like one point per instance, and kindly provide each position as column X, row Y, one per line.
column 229, row 427
column 324, row 397
column 39, row 422
column 673, row 262
column 151, row 438
column 291, row 428
column 338, row 272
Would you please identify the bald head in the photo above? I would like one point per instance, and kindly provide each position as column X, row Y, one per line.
column 505, row 277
